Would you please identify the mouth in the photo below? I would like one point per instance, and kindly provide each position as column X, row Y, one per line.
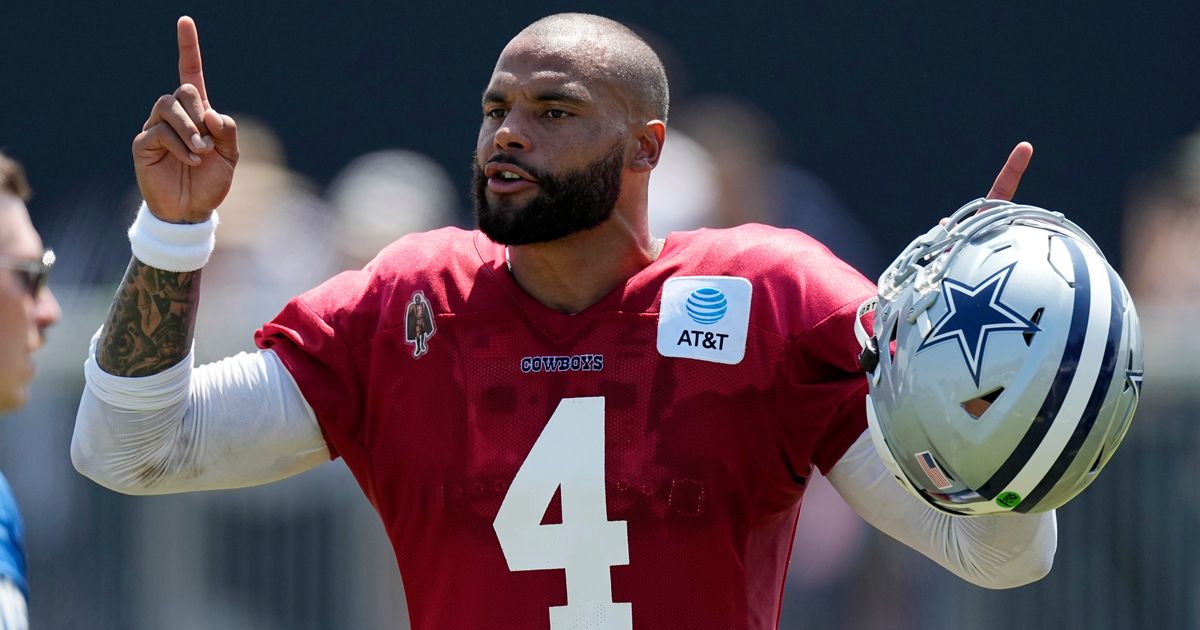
column 29, row 371
column 507, row 178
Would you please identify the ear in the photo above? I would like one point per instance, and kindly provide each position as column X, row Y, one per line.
column 650, row 143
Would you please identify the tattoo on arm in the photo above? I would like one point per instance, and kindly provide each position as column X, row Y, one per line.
column 149, row 327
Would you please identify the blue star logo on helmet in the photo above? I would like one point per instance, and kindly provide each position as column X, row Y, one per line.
column 973, row 313
column 707, row 306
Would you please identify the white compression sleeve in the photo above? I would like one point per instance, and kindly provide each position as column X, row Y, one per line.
column 239, row 422
column 1001, row 551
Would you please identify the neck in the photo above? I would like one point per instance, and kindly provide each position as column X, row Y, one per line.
column 573, row 273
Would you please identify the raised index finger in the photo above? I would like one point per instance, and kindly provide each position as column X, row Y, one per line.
column 190, row 69
column 1005, row 186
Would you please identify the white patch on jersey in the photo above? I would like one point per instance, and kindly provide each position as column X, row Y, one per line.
column 704, row 318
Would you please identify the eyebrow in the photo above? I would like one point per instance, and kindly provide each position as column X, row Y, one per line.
column 562, row 95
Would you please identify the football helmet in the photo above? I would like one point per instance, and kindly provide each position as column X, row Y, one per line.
column 1006, row 361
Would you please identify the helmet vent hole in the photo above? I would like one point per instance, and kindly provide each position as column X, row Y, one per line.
column 1036, row 318
column 1096, row 464
column 977, row 406
column 1133, row 378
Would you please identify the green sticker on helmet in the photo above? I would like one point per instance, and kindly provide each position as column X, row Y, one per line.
column 1008, row 500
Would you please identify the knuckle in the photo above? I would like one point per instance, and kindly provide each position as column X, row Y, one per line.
column 161, row 134
column 150, row 140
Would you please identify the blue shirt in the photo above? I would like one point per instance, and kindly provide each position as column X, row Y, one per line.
column 12, row 539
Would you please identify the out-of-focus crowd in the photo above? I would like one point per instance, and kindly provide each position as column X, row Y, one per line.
column 309, row 553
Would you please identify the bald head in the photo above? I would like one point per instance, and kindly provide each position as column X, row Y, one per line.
column 614, row 51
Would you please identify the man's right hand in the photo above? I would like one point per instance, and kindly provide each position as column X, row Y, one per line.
column 185, row 155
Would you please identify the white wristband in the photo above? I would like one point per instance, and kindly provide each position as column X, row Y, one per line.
column 172, row 246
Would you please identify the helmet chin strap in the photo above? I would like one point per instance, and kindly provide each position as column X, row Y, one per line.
column 869, row 357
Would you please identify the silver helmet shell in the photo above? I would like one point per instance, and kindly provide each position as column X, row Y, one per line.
column 1006, row 362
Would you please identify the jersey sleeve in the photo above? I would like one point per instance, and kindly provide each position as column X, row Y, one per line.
column 826, row 391
column 315, row 336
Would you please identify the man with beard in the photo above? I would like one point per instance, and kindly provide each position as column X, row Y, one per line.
column 609, row 430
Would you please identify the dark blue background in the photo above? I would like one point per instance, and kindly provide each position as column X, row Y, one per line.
column 906, row 109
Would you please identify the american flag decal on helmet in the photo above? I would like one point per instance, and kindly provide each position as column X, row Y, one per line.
column 933, row 471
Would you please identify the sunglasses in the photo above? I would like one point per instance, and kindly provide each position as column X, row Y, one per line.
column 34, row 274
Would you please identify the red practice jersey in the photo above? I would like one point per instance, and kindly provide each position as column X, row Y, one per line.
column 636, row 465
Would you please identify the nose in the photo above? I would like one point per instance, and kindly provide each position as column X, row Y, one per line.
column 46, row 309
column 511, row 136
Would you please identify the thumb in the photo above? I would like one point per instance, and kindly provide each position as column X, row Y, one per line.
column 224, row 132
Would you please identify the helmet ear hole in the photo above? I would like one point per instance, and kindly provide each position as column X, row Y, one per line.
column 977, row 406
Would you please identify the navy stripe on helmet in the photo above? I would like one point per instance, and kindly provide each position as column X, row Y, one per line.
column 1058, row 388
column 1108, row 366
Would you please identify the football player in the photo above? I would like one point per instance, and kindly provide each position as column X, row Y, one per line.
column 27, row 309
column 564, row 421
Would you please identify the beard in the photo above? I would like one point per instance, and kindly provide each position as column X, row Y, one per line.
column 565, row 204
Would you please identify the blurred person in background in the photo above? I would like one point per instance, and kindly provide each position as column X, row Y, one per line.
column 1161, row 231
column 256, row 274
column 456, row 449
column 754, row 183
column 383, row 195
column 27, row 309
column 683, row 192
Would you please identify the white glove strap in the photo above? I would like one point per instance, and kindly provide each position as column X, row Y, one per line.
column 174, row 247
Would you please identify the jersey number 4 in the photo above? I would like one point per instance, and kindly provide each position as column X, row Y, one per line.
column 569, row 454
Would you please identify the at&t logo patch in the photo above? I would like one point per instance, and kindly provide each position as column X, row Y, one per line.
column 704, row 318
column 707, row 306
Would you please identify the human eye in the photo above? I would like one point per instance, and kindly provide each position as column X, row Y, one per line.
column 495, row 113
column 556, row 113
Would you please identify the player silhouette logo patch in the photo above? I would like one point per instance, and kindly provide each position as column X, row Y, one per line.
column 973, row 313
column 418, row 324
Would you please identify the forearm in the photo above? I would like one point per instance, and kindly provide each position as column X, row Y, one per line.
column 238, row 422
column 150, row 325
column 1003, row 551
